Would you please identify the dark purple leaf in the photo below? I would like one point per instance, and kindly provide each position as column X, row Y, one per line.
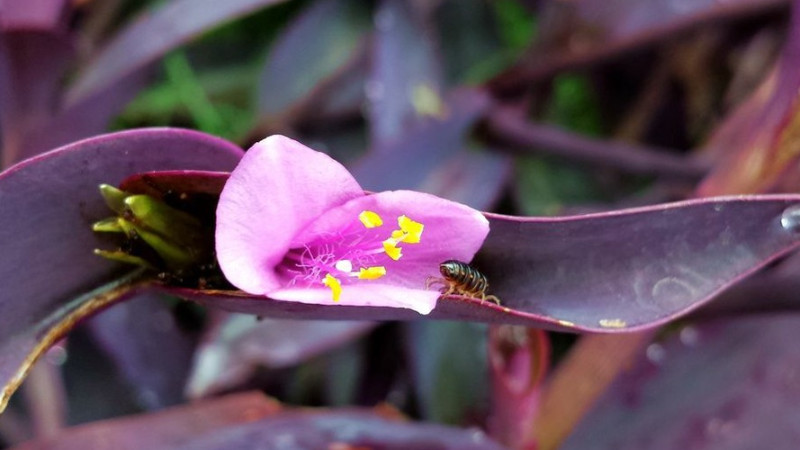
column 88, row 117
column 166, row 429
column 51, row 202
column 237, row 345
column 145, row 342
column 754, row 146
column 315, row 45
column 474, row 178
column 34, row 64
column 350, row 429
column 731, row 385
column 611, row 272
column 409, row 162
column 153, row 35
column 583, row 31
column 449, row 370
column 403, row 34
column 644, row 266
column 42, row 15
column 519, row 359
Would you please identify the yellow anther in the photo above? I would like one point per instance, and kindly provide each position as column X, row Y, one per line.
column 371, row 273
column 335, row 285
column 391, row 249
column 412, row 229
column 370, row 219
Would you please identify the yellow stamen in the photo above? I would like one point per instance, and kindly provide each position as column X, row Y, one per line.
column 372, row 273
column 335, row 285
column 412, row 229
column 370, row 219
column 391, row 249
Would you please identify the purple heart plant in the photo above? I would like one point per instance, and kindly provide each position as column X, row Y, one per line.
column 548, row 154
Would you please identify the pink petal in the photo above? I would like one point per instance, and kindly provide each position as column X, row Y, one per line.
column 452, row 231
column 276, row 190
column 364, row 294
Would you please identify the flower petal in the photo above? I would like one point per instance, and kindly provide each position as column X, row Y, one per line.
column 452, row 231
column 363, row 294
column 276, row 190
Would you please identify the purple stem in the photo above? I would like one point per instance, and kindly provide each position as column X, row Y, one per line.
column 529, row 138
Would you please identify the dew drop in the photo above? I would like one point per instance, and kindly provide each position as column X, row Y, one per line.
column 790, row 219
column 57, row 355
column 689, row 336
column 656, row 353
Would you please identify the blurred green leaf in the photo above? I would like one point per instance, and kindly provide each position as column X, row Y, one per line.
column 544, row 186
column 573, row 105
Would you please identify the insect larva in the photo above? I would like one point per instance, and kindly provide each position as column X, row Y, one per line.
column 462, row 279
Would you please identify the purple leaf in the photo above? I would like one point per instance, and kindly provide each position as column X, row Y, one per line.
column 349, row 428
column 87, row 117
column 712, row 386
column 33, row 65
column 164, row 430
column 409, row 162
column 609, row 272
column 449, row 370
column 584, row 31
column 760, row 129
column 53, row 200
column 152, row 353
column 643, row 266
column 403, row 36
column 323, row 38
column 153, row 35
column 474, row 178
column 245, row 421
column 42, row 15
column 237, row 345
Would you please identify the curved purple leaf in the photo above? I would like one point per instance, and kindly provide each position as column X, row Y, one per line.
column 155, row 34
column 237, row 345
column 148, row 347
column 407, row 163
column 713, row 386
column 447, row 361
column 51, row 202
column 403, row 36
column 87, row 117
column 33, row 64
column 349, row 428
column 583, row 31
column 316, row 44
column 163, row 430
column 634, row 268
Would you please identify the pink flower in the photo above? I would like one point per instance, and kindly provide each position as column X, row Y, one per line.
column 294, row 225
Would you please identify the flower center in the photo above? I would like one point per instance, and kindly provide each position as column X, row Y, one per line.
column 358, row 253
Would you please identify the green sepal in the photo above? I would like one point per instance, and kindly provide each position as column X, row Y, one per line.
column 109, row 225
column 174, row 255
column 120, row 256
column 175, row 225
column 115, row 198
